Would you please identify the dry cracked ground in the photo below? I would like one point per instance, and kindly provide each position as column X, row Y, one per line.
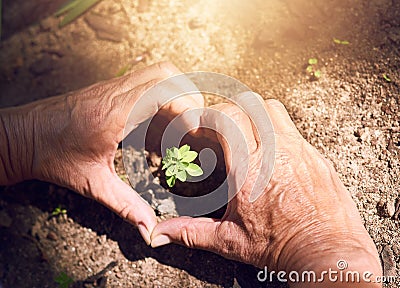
column 350, row 114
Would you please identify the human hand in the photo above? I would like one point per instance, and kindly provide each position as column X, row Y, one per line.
column 304, row 221
column 71, row 140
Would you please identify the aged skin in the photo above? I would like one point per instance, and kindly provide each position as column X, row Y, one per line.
column 71, row 140
column 305, row 219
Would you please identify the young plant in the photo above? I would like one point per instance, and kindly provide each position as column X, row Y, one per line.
column 312, row 62
column 58, row 211
column 123, row 177
column 177, row 164
column 63, row 280
column 122, row 71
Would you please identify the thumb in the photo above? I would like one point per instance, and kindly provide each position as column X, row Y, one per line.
column 126, row 202
column 198, row 233
column 172, row 97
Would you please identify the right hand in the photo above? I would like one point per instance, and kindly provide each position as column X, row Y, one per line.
column 304, row 220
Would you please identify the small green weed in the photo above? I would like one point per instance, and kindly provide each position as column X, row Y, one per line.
column 311, row 68
column 123, row 177
column 130, row 64
column 341, row 42
column 386, row 77
column 58, row 211
column 63, row 280
column 177, row 163
column 122, row 71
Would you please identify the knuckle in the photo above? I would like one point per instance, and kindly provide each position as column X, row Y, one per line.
column 230, row 249
column 225, row 249
column 166, row 67
column 231, row 109
column 328, row 166
column 276, row 104
column 188, row 236
column 150, row 84
column 227, row 238
column 141, row 90
column 125, row 212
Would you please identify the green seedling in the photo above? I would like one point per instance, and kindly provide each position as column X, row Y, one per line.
column 63, row 280
column 341, row 42
column 58, row 211
column 312, row 62
column 177, row 164
column 123, row 177
column 386, row 77
column 130, row 64
column 122, row 71
column 74, row 9
column 317, row 73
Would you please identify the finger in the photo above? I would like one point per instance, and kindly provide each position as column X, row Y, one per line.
column 156, row 73
column 127, row 82
column 280, row 118
column 162, row 71
column 234, row 130
column 198, row 233
column 146, row 100
column 179, row 96
column 253, row 103
column 264, row 135
column 239, row 145
column 129, row 85
column 124, row 201
column 117, row 86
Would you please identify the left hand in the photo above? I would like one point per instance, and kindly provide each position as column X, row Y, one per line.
column 72, row 139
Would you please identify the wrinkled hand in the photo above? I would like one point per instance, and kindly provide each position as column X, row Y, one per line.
column 71, row 140
column 304, row 220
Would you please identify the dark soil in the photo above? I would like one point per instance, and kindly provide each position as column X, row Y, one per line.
column 350, row 114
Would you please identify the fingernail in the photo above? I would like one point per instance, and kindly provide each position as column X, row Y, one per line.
column 145, row 233
column 160, row 240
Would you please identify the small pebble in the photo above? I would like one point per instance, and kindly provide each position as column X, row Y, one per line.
column 52, row 236
column 196, row 23
column 119, row 275
column 5, row 219
column 102, row 239
column 390, row 208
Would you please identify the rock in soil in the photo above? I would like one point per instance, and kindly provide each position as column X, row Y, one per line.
column 104, row 28
column 43, row 65
column 389, row 264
